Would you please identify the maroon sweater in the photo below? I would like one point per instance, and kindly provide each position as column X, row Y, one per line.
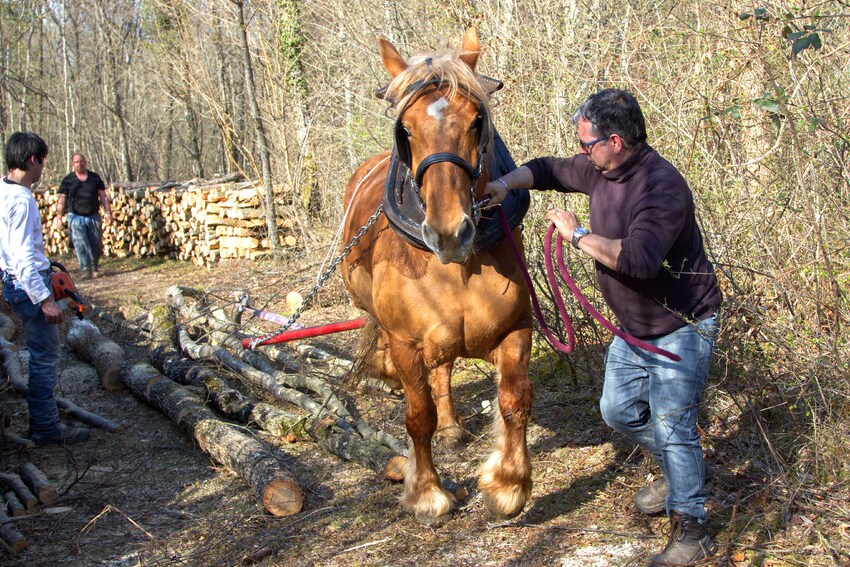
column 663, row 278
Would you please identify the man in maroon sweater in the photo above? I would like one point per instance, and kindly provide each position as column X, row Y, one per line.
column 654, row 274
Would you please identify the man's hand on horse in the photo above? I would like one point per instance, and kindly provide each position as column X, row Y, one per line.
column 496, row 190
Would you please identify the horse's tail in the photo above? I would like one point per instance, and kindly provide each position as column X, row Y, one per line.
column 372, row 357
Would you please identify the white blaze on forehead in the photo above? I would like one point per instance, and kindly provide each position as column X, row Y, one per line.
column 435, row 109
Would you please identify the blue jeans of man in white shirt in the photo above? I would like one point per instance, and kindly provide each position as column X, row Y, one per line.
column 42, row 340
column 654, row 402
column 87, row 236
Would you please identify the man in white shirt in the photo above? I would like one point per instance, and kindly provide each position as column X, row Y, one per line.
column 26, row 286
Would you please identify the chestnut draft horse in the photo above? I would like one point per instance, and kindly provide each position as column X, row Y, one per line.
column 450, row 300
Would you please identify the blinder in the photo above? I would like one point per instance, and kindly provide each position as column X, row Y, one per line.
column 402, row 144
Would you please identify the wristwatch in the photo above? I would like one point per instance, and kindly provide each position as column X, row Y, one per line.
column 578, row 234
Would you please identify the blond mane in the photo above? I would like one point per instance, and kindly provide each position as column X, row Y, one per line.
column 446, row 67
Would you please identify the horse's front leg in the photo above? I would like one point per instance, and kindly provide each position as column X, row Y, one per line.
column 449, row 428
column 423, row 494
column 505, row 479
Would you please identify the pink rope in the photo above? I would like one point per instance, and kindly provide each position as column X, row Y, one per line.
column 559, row 301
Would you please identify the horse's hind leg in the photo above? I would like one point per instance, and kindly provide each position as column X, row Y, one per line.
column 449, row 428
column 423, row 494
column 505, row 479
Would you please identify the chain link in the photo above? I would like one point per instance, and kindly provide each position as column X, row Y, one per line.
column 321, row 282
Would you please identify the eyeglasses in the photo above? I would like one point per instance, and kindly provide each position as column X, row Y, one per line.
column 588, row 146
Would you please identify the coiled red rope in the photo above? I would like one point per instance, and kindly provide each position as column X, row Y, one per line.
column 559, row 300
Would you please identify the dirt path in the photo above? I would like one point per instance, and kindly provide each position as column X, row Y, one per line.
column 148, row 496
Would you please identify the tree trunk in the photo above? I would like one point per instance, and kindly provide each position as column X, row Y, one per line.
column 13, row 538
column 41, row 487
column 93, row 347
column 24, row 494
column 273, row 484
column 262, row 146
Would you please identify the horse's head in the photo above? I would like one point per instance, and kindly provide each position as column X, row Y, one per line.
column 442, row 132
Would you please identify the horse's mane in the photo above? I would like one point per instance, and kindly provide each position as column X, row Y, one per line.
column 448, row 68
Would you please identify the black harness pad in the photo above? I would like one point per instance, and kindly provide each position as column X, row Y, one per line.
column 406, row 214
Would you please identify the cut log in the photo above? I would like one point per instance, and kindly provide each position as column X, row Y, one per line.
column 25, row 495
column 7, row 327
column 17, row 440
column 15, row 507
column 93, row 347
column 11, row 363
column 13, row 538
column 273, row 484
column 38, row 482
column 86, row 416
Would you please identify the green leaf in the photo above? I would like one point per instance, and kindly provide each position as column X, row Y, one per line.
column 769, row 104
column 786, row 31
column 744, row 16
column 815, row 41
column 800, row 45
column 795, row 36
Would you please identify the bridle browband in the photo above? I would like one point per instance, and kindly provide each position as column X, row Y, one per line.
column 402, row 146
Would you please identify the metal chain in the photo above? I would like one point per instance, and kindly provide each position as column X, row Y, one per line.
column 322, row 279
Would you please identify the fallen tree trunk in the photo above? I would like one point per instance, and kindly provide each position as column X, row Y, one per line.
column 14, row 373
column 7, row 327
column 17, row 440
column 93, row 347
column 272, row 419
column 13, row 538
column 24, row 494
column 36, row 480
column 273, row 484
column 15, row 507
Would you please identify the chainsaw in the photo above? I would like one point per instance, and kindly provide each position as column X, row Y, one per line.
column 64, row 290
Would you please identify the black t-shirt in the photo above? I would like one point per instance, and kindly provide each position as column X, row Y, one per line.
column 82, row 195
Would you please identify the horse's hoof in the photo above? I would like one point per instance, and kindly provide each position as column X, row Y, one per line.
column 498, row 509
column 433, row 522
column 453, row 437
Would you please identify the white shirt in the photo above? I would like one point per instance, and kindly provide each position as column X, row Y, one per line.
column 21, row 240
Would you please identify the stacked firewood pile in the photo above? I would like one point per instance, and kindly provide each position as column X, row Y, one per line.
column 182, row 221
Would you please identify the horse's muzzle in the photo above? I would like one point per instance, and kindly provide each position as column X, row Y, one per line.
column 455, row 247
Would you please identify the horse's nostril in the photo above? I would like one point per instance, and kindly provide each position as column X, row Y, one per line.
column 466, row 231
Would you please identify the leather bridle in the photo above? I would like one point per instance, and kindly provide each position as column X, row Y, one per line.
column 402, row 145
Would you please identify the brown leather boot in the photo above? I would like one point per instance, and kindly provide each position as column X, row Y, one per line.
column 689, row 543
column 652, row 499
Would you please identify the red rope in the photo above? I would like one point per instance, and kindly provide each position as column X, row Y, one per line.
column 559, row 301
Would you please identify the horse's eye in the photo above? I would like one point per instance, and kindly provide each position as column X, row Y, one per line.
column 478, row 123
column 406, row 131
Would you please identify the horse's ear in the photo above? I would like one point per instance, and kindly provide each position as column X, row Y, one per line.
column 391, row 58
column 471, row 48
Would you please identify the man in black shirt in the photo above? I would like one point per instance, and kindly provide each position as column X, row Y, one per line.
column 83, row 192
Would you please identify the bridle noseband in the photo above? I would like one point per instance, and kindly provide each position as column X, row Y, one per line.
column 402, row 146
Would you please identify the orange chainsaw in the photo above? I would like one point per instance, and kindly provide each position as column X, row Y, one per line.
column 64, row 290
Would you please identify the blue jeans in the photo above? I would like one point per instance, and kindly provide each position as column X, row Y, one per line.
column 42, row 339
column 87, row 235
column 654, row 402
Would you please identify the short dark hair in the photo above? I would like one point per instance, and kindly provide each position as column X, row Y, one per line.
column 21, row 146
column 613, row 111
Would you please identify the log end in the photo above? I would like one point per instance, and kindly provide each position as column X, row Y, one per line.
column 48, row 496
column 19, row 545
column 394, row 469
column 283, row 498
column 111, row 379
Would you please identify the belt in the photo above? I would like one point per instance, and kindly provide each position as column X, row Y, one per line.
column 7, row 277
